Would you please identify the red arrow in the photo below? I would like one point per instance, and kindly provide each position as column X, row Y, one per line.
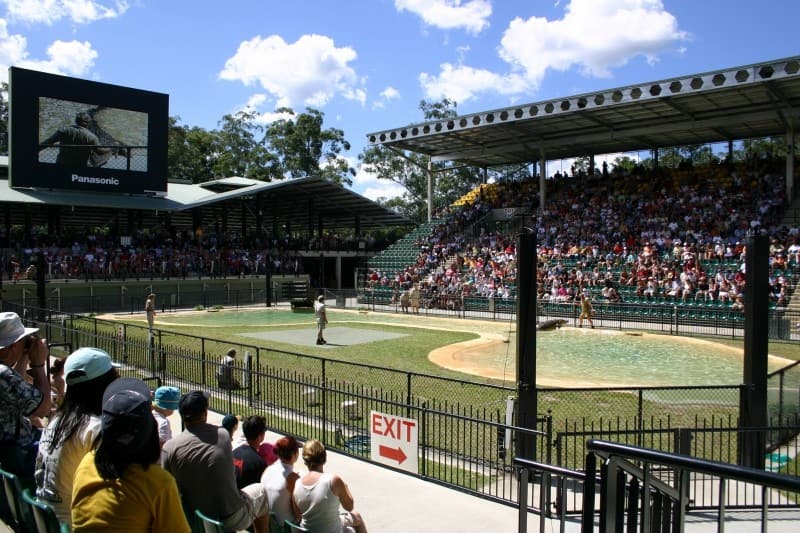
column 395, row 454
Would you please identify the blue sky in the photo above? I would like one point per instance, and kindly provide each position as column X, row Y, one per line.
column 367, row 64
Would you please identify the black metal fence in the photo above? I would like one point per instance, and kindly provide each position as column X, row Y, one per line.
column 466, row 438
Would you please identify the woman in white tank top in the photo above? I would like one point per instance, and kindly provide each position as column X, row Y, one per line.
column 317, row 496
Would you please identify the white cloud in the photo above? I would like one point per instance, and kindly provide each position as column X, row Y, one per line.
column 310, row 71
column 462, row 83
column 594, row 36
column 390, row 93
column 73, row 58
column 472, row 15
column 51, row 11
column 369, row 186
column 386, row 95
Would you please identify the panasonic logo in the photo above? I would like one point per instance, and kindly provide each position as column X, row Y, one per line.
column 92, row 179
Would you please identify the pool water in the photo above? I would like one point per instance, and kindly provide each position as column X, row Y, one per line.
column 602, row 357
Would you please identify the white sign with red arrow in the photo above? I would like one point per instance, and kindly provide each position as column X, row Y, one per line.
column 394, row 441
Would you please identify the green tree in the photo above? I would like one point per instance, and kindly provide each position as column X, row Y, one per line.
column 304, row 148
column 191, row 152
column 409, row 170
column 623, row 162
column 241, row 151
column 4, row 118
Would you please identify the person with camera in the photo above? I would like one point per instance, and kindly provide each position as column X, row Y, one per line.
column 24, row 393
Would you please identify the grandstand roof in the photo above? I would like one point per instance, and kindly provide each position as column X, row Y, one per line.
column 297, row 201
column 744, row 102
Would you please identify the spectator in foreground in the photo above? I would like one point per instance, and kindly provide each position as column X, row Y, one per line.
column 75, row 429
column 121, row 486
column 317, row 496
column 231, row 424
column 248, row 463
column 165, row 402
column 279, row 479
column 201, row 459
column 21, row 353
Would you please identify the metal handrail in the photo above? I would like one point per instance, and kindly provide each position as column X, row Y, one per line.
column 618, row 460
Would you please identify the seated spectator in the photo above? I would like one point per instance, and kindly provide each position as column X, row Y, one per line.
column 231, row 424
column 165, row 402
column 57, row 384
column 120, row 486
column 247, row 461
column 225, row 378
column 201, row 459
column 21, row 354
column 75, row 429
column 317, row 496
column 279, row 479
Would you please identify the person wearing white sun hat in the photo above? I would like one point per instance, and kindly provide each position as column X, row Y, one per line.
column 21, row 352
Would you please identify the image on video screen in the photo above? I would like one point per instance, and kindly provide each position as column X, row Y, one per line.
column 81, row 135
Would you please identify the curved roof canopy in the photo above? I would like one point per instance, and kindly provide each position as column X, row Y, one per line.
column 756, row 100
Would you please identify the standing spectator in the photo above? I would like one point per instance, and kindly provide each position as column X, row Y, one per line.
column 322, row 318
column 75, row 429
column 279, row 479
column 165, row 402
column 201, row 459
column 317, row 496
column 247, row 461
column 120, row 486
column 21, row 353
column 225, row 378
column 414, row 296
column 586, row 311
column 150, row 310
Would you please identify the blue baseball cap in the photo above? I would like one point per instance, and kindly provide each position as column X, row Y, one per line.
column 167, row 397
column 86, row 364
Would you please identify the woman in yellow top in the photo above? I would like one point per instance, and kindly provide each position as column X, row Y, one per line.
column 121, row 486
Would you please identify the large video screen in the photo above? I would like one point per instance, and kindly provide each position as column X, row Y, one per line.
column 68, row 133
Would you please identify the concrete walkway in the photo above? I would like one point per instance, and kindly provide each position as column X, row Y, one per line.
column 391, row 502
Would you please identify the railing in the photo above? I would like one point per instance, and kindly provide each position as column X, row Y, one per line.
column 646, row 488
column 465, row 433
column 119, row 157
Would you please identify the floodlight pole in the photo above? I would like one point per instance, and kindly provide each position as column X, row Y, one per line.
column 526, row 343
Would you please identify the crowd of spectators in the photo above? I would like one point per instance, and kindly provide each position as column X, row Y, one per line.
column 166, row 254
column 664, row 235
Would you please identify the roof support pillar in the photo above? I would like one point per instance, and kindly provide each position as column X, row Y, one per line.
column 542, row 175
column 357, row 226
column 243, row 211
column 790, row 164
column 430, row 190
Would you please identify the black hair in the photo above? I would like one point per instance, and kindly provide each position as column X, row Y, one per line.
column 253, row 426
column 112, row 460
column 81, row 401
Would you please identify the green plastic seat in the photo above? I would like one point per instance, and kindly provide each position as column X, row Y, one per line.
column 209, row 524
column 44, row 516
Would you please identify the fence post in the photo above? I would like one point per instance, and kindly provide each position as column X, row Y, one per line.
column 423, row 427
column 640, row 416
column 324, row 397
column 248, row 367
column 203, row 359
column 522, row 524
column 408, row 394
column 587, row 515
